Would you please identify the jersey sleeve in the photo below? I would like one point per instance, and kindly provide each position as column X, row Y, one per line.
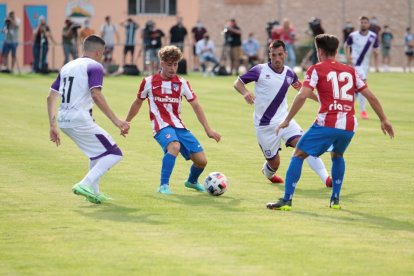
column 143, row 90
column 56, row 84
column 359, row 83
column 311, row 78
column 252, row 75
column 95, row 75
column 376, row 42
column 295, row 81
column 349, row 40
column 188, row 92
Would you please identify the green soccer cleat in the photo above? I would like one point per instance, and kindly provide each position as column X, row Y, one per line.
column 165, row 189
column 197, row 186
column 335, row 204
column 77, row 189
column 283, row 205
column 100, row 198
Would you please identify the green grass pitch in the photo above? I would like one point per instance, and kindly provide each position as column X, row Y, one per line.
column 46, row 230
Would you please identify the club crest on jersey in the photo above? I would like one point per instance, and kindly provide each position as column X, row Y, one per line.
column 268, row 152
column 289, row 79
column 176, row 86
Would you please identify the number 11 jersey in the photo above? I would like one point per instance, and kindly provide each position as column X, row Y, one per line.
column 74, row 82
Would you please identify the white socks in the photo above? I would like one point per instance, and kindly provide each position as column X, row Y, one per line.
column 97, row 169
column 318, row 166
column 267, row 171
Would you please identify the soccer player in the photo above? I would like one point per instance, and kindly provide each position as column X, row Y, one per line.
column 335, row 123
column 78, row 86
column 358, row 48
column 164, row 91
column 272, row 81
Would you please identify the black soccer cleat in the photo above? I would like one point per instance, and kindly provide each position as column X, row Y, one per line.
column 283, row 205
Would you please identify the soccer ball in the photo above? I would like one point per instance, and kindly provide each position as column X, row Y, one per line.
column 216, row 183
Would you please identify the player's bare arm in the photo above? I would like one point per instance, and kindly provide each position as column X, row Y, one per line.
column 348, row 54
column 241, row 88
column 298, row 102
column 133, row 110
column 386, row 126
column 198, row 110
column 52, row 101
column 100, row 101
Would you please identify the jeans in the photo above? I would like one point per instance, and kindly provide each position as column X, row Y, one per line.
column 39, row 56
column 291, row 55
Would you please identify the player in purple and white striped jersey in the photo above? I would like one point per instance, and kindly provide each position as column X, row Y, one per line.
column 272, row 81
column 77, row 87
column 358, row 48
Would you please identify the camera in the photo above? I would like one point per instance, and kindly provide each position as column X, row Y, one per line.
column 269, row 27
column 7, row 22
column 315, row 26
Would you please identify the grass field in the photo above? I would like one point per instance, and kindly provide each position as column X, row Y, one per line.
column 46, row 230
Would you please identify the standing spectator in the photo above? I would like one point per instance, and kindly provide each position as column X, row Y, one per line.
column 233, row 39
column 70, row 40
column 152, row 40
column 86, row 31
column 386, row 39
column 287, row 35
column 205, row 51
column 198, row 32
column 11, row 32
column 375, row 28
column 41, row 36
column 409, row 48
column 250, row 48
column 362, row 42
column 178, row 33
column 130, row 29
column 108, row 33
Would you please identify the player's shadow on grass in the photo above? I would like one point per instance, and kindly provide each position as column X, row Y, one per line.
column 362, row 218
column 223, row 202
column 114, row 212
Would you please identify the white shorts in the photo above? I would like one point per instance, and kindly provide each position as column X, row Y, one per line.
column 269, row 142
column 93, row 141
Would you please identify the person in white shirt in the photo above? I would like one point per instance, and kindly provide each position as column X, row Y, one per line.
column 109, row 32
column 358, row 48
column 205, row 52
column 77, row 87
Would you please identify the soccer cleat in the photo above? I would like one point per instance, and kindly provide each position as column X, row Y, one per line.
column 197, row 186
column 335, row 204
column 77, row 189
column 283, row 205
column 328, row 182
column 364, row 115
column 276, row 179
column 165, row 189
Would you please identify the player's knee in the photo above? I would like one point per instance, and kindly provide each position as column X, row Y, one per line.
column 174, row 148
column 202, row 163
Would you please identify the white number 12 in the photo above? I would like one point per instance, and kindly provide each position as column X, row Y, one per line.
column 341, row 93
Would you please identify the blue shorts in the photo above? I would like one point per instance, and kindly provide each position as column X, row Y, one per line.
column 189, row 144
column 318, row 139
column 9, row 47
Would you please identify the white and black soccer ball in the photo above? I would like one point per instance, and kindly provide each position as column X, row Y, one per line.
column 216, row 183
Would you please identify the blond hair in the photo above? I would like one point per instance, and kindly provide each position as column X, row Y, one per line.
column 170, row 54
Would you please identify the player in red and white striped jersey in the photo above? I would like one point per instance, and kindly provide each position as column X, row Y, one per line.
column 164, row 92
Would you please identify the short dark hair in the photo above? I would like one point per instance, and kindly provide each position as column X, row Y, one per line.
column 276, row 44
column 328, row 43
column 91, row 42
column 363, row 18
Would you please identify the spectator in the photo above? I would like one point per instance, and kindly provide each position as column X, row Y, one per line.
column 409, row 48
column 250, row 48
column 198, row 32
column 232, row 34
column 152, row 40
column 130, row 29
column 386, row 39
column 287, row 35
column 348, row 28
column 86, row 31
column 178, row 33
column 205, row 51
column 374, row 27
column 11, row 40
column 109, row 33
column 70, row 40
column 41, row 36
